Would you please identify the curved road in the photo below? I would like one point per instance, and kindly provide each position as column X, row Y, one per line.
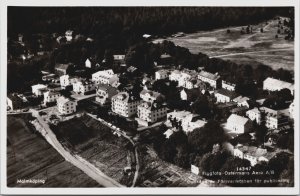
column 76, row 160
column 137, row 167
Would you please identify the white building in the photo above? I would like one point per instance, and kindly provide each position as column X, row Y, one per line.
column 125, row 104
column 194, row 83
column 238, row 124
column 66, row 80
column 51, row 96
column 224, row 96
column 119, row 57
column 88, row 63
column 212, row 79
column 14, row 102
column 242, row 101
column 274, row 119
column 254, row 115
column 149, row 113
column 272, row 84
column 191, row 122
column 105, row 77
column 151, row 96
column 252, row 154
column 83, row 87
column 187, row 120
column 66, row 106
column 177, row 116
column 161, row 74
column 185, row 78
column 104, row 93
column 228, row 86
column 69, row 35
column 38, row 89
column 175, row 75
column 190, row 94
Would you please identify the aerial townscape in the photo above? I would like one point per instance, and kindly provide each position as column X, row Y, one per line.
column 100, row 106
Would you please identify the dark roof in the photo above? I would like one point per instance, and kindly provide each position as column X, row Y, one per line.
column 109, row 89
column 227, row 93
column 14, row 98
column 62, row 66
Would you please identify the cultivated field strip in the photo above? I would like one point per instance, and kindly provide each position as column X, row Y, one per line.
column 31, row 157
column 97, row 145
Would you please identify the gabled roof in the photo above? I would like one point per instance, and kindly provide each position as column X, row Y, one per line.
column 51, row 93
column 163, row 71
column 125, row 97
column 278, row 83
column 63, row 100
column 227, row 93
column 241, row 99
column 62, row 66
column 151, row 106
column 107, row 88
column 39, row 86
column 176, row 72
column 151, row 93
column 208, row 75
column 236, row 119
column 191, row 92
column 254, row 110
column 14, row 98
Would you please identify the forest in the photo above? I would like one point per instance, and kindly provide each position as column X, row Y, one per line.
column 103, row 22
column 118, row 30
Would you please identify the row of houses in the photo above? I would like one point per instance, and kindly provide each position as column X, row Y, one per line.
column 191, row 79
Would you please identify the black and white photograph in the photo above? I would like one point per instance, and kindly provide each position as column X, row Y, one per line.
column 139, row 97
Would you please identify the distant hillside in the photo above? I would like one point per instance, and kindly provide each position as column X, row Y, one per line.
column 132, row 21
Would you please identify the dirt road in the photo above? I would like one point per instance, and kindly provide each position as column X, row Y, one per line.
column 76, row 160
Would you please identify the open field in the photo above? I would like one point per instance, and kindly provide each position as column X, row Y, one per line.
column 95, row 142
column 29, row 156
column 253, row 48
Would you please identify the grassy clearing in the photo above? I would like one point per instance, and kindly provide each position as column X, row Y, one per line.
column 219, row 42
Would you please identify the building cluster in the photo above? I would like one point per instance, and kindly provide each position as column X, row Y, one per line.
column 149, row 107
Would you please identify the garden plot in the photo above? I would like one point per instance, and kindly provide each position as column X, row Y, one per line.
column 96, row 143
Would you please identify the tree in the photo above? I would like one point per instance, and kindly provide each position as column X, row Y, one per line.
column 167, row 151
column 201, row 140
column 260, row 131
column 231, row 164
column 279, row 162
column 288, row 173
column 182, row 157
column 201, row 107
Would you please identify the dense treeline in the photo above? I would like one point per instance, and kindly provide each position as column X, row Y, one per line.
column 131, row 21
